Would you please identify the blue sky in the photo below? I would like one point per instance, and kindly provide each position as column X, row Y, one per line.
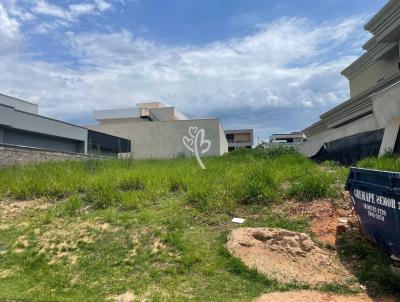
column 269, row 65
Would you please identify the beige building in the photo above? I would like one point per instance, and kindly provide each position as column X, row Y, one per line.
column 367, row 123
column 238, row 139
column 157, row 131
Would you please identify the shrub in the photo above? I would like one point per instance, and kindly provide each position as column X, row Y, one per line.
column 274, row 151
column 198, row 198
column 70, row 207
column 131, row 185
column 134, row 200
column 310, row 187
column 103, row 196
column 178, row 186
column 202, row 194
column 258, row 186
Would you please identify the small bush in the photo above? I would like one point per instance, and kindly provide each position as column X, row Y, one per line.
column 130, row 204
column 178, row 186
column 198, row 198
column 258, row 186
column 92, row 164
column 310, row 187
column 103, row 196
column 274, row 151
column 70, row 207
column 131, row 185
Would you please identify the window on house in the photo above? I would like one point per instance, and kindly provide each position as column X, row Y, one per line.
column 230, row 138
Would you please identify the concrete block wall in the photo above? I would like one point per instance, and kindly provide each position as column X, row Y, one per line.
column 13, row 155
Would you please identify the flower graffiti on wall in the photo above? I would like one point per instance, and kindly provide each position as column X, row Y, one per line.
column 196, row 143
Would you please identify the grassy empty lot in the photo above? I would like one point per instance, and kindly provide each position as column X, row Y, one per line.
column 92, row 230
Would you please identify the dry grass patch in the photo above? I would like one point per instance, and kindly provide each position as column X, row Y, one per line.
column 61, row 241
column 10, row 210
column 6, row 273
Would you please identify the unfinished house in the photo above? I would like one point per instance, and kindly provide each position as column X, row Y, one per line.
column 238, row 139
column 368, row 123
column 157, row 131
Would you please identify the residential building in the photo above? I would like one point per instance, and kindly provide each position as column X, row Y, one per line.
column 158, row 131
column 289, row 139
column 238, row 139
column 368, row 123
column 22, row 126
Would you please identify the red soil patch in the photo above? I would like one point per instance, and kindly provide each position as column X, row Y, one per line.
column 314, row 296
column 327, row 218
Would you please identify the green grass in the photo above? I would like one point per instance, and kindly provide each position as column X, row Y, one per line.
column 375, row 271
column 155, row 228
column 389, row 162
column 244, row 177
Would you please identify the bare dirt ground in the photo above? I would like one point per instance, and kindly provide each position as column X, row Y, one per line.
column 289, row 256
column 314, row 296
column 286, row 256
column 325, row 215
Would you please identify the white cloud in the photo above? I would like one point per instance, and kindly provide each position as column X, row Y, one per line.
column 82, row 8
column 9, row 32
column 45, row 8
column 103, row 5
column 14, row 9
column 73, row 11
column 289, row 63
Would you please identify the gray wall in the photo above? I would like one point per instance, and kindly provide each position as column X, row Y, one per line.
column 165, row 139
column 371, row 75
column 23, row 138
column 12, row 155
column 53, row 133
column 18, row 104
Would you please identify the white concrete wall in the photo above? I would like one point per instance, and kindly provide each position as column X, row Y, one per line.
column 386, row 104
column 372, row 74
column 165, row 139
column 223, row 147
column 124, row 120
column 386, row 107
column 116, row 113
column 163, row 114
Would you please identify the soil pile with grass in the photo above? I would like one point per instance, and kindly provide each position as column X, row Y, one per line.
column 286, row 256
column 314, row 296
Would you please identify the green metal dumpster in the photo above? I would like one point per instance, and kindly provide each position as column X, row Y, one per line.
column 376, row 198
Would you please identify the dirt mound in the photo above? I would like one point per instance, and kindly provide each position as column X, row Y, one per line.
column 324, row 214
column 286, row 256
column 314, row 296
